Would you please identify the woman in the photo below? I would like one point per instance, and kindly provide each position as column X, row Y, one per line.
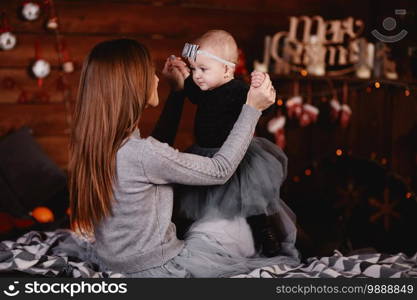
column 120, row 183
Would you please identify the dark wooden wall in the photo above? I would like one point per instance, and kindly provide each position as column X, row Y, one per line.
column 164, row 26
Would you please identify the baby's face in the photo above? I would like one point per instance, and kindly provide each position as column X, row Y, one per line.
column 207, row 73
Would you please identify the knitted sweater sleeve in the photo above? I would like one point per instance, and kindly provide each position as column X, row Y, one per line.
column 163, row 164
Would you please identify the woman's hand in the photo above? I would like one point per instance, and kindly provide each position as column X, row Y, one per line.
column 175, row 70
column 263, row 96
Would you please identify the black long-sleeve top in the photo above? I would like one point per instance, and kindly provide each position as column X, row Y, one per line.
column 217, row 110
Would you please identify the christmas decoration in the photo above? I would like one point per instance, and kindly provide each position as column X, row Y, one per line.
column 366, row 59
column 309, row 115
column 41, row 68
column 264, row 66
column 309, row 112
column 7, row 41
column 294, row 107
column 7, row 38
column 335, row 109
column 383, row 65
column 345, row 115
column 385, row 209
column 31, row 10
column 316, row 56
column 276, row 127
column 332, row 48
column 52, row 22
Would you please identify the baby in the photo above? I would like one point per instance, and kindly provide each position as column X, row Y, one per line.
column 254, row 190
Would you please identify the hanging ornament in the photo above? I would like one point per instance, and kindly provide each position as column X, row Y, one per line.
column 52, row 22
column 41, row 68
column 31, row 10
column 295, row 104
column 294, row 107
column 309, row 112
column 7, row 38
column 335, row 109
column 345, row 115
column 7, row 41
column 309, row 115
column 346, row 112
column 276, row 127
column 67, row 63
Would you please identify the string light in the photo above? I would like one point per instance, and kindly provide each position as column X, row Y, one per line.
column 280, row 102
column 303, row 73
column 407, row 92
column 377, row 84
column 307, row 172
column 339, row 152
column 408, row 195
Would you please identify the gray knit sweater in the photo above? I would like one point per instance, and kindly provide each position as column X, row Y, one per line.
column 140, row 235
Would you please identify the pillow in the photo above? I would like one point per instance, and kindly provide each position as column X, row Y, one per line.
column 28, row 177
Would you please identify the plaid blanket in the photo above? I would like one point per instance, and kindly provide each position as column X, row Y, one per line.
column 35, row 254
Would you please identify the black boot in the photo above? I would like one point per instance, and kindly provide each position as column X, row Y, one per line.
column 264, row 235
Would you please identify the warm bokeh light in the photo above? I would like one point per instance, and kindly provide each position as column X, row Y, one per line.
column 280, row 102
column 303, row 72
column 339, row 152
column 307, row 172
column 407, row 93
column 377, row 85
column 43, row 214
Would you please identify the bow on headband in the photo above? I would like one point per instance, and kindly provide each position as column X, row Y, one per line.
column 190, row 51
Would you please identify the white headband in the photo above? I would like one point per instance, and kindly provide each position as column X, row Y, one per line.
column 191, row 50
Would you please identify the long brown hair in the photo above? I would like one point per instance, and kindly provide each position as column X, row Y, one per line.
column 116, row 81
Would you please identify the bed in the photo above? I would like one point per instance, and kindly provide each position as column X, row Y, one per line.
column 36, row 254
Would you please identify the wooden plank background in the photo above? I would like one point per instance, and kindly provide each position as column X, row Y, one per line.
column 382, row 121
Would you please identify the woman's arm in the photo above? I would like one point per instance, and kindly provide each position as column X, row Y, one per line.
column 175, row 70
column 163, row 164
column 167, row 126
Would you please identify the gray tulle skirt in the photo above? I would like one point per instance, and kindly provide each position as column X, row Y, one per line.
column 253, row 189
column 219, row 248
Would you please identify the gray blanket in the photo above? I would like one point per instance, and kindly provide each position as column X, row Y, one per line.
column 37, row 254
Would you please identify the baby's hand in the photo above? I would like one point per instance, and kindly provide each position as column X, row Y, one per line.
column 175, row 70
column 257, row 79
